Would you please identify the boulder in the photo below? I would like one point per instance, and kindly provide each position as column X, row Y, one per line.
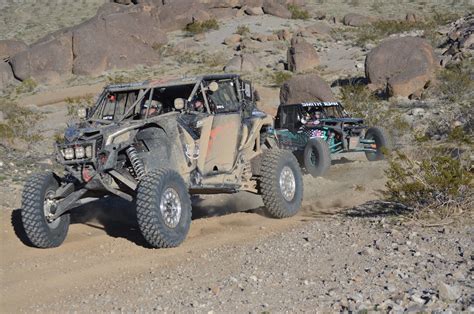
column 176, row 14
column 234, row 64
column 254, row 11
column 45, row 61
column 301, row 55
column 276, row 9
column 403, row 65
column 6, row 75
column 10, row 47
column 305, row 88
column 116, row 41
column 354, row 19
column 319, row 28
column 243, row 63
column 232, row 40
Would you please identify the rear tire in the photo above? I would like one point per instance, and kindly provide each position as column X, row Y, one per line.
column 281, row 183
column 317, row 157
column 382, row 143
column 163, row 208
column 36, row 202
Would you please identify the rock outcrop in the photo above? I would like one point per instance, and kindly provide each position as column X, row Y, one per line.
column 402, row 65
column 460, row 40
column 305, row 88
column 301, row 55
column 243, row 63
column 11, row 47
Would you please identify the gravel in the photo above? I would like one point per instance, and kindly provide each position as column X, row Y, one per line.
column 339, row 264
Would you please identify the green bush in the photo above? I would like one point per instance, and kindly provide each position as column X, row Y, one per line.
column 202, row 27
column 298, row 13
column 435, row 185
column 281, row 77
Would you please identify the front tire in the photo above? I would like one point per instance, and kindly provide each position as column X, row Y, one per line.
column 382, row 143
column 281, row 183
column 317, row 157
column 163, row 208
column 37, row 202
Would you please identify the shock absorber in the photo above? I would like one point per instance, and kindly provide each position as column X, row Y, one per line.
column 136, row 162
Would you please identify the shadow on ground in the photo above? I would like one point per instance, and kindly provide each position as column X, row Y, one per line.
column 377, row 208
column 117, row 217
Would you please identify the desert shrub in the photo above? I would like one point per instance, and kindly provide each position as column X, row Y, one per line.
column 202, row 27
column 74, row 103
column 361, row 102
column 117, row 78
column 27, row 86
column 280, row 77
column 379, row 30
column 18, row 123
column 298, row 13
column 209, row 59
column 433, row 184
column 242, row 30
column 455, row 83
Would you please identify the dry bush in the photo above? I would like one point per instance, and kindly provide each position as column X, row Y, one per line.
column 455, row 83
column 361, row 102
column 74, row 103
column 298, row 13
column 434, row 183
column 18, row 123
column 202, row 27
column 280, row 77
column 242, row 30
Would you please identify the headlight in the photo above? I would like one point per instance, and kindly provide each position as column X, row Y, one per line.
column 80, row 152
column 68, row 153
column 89, row 151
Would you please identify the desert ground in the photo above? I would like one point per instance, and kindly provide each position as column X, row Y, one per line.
column 348, row 248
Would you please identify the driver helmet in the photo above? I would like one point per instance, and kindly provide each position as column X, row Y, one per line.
column 155, row 108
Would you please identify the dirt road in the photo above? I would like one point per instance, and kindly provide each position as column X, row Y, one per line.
column 104, row 245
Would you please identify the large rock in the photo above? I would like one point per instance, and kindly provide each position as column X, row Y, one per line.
column 305, row 88
column 354, row 19
column 10, row 47
column 243, row 63
column 116, row 41
column 6, row 75
column 276, row 9
column 403, row 65
column 459, row 40
column 301, row 56
column 45, row 61
column 176, row 14
column 254, row 11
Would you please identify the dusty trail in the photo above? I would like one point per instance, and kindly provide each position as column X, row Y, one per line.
column 104, row 245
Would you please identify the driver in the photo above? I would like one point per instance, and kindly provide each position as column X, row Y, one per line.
column 155, row 108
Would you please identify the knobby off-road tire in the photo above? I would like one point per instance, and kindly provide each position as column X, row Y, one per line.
column 35, row 201
column 382, row 142
column 317, row 157
column 163, row 208
column 281, row 183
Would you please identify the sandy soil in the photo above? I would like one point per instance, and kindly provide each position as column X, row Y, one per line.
column 105, row 246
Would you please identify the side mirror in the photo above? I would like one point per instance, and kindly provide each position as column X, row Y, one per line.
column 256, row 95
column 213, row 86
column 82, row 113
column 179, row 103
